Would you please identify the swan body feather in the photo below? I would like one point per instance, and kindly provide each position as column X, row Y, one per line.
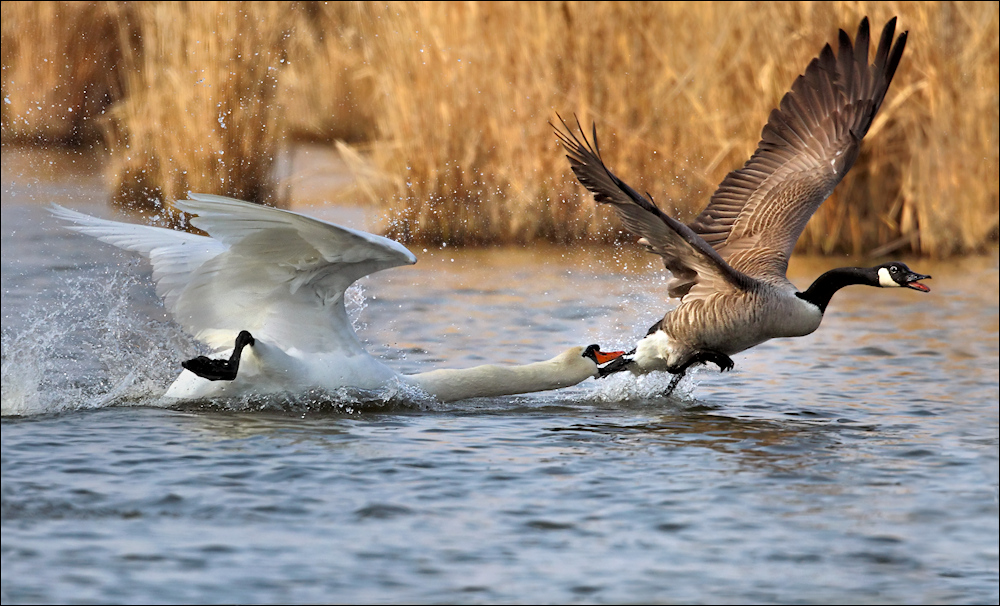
column 282, row 276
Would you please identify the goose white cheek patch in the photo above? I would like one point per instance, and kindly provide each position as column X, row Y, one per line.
column 885, row 280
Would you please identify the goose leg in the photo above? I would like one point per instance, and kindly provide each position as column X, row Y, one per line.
column 721, row 360
column 220, row 370
column 673, row 382
column 622, row 363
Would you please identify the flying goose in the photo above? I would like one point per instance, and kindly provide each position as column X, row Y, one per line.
column 265, row 289
column 728, row 266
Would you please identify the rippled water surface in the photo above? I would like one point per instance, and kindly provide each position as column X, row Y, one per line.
column 858, row 464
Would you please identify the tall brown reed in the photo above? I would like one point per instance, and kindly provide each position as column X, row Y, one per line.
column 60, row 70
column 326, row 90
column 680, row 93
column 199, row 111
column 453, row 99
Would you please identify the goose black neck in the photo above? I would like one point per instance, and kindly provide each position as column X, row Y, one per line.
column 823, row 288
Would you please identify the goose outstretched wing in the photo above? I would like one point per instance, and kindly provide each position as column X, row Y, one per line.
column 689, row 258
column 809, row 143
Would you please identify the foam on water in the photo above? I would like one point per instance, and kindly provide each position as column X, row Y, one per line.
column 394, row 397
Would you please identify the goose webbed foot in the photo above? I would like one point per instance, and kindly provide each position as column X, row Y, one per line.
column 220, row 370
column 724, row 362
column 704, row 356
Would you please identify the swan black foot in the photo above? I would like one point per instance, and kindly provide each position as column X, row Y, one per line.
column 220, row 370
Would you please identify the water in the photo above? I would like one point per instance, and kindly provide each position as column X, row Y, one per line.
column 858, row 464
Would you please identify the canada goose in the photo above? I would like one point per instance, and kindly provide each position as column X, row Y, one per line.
column 266, row 290
column 728, row 266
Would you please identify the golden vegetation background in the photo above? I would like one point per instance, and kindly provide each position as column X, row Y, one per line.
column 445, row 107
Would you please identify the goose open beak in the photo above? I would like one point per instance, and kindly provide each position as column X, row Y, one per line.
column 913, row 281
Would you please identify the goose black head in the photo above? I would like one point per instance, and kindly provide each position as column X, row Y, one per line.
column 896, row 274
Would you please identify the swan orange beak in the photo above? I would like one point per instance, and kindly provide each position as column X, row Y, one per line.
column 606, row 356
column 601, row 357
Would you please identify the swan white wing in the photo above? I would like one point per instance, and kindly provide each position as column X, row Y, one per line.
column 278, row 274
column 175, row 255
column 231, row 221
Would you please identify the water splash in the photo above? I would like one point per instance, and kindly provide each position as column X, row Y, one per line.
column 91, row 347
column 88, row 347
column 624, row 388
column 355, row 303
column 393, row 397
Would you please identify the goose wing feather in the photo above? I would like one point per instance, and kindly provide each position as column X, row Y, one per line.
column 279, row 274
column 807, row 146
column 688, row 257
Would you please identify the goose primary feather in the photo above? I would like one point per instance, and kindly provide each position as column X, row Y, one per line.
column 265, row 289
column 728, row 266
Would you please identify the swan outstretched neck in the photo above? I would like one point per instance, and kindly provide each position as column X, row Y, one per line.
column 568, row 368
column 265, row 289
column 265, row 369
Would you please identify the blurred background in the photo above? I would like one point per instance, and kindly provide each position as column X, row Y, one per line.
column 438, row 113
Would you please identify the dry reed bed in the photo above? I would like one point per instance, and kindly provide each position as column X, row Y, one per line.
column 453, row 100
column 60, row 68
column 680, row 93
column 199, row 111
column 197, row 103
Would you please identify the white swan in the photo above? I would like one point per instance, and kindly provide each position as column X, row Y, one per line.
column 266, row 289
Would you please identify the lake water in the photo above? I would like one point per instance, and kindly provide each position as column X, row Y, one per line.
column 856, row 465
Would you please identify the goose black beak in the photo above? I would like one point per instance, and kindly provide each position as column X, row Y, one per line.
column 913, row 281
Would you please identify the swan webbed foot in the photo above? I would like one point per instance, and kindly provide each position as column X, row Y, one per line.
column 220, row 370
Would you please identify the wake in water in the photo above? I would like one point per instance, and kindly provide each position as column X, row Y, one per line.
column 104, row 340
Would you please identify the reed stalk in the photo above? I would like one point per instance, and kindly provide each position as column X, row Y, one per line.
column 60, row 71
column 199, row 111
column 327, row 88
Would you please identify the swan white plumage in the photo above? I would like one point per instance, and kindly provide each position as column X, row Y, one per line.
column 282, row 276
